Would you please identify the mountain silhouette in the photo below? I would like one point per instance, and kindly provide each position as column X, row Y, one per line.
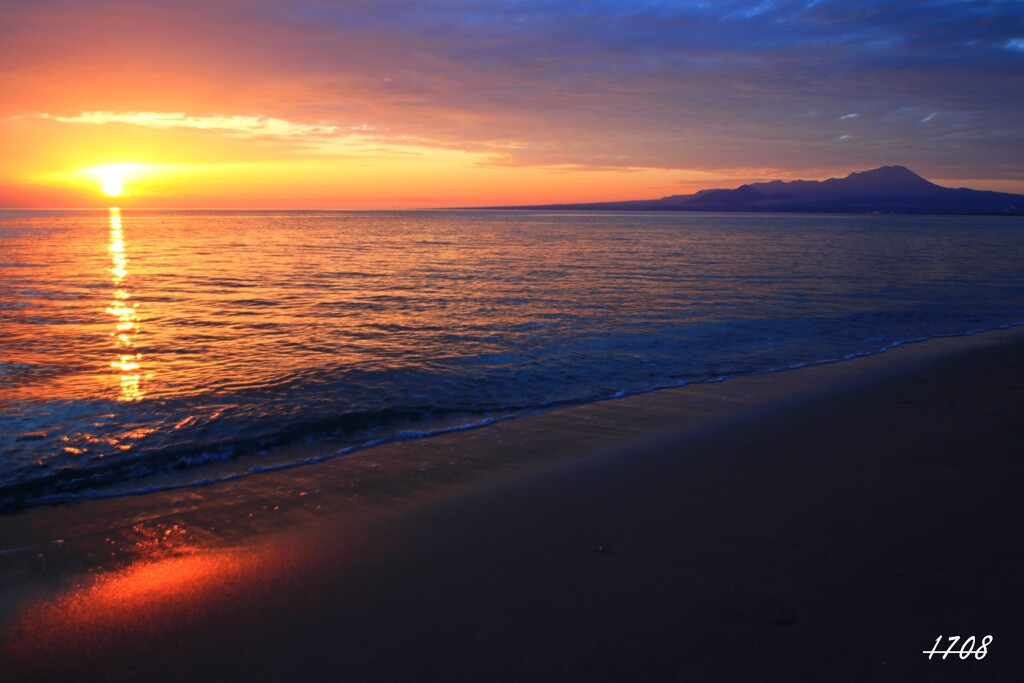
column 889, row 189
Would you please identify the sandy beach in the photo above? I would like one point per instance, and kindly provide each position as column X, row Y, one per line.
column 825, row 523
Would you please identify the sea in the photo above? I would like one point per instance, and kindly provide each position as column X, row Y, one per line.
column 140, row 347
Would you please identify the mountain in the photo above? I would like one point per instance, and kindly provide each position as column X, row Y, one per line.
column 889, row 189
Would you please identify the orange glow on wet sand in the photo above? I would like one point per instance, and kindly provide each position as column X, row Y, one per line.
column 165, row 584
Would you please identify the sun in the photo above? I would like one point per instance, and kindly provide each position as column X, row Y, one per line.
column 113, row 182
column 112, row 177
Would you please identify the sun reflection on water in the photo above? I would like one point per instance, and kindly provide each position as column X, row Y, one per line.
column 126, row 329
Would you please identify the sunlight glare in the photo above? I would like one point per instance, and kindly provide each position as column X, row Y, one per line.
column 112, row 177
column 113, row 183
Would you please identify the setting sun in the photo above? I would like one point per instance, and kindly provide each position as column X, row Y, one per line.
column 113, row 183
column 113, row 176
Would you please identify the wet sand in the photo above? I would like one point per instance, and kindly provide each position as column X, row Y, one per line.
column 826, row 523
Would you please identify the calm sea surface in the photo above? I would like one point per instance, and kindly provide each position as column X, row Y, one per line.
column 136, row 342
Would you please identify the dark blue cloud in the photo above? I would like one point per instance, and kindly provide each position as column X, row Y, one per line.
column 715, row 84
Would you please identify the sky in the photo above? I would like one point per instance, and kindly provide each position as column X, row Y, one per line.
column 424, row 103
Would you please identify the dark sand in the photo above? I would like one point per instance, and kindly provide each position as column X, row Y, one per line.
column 819, row 524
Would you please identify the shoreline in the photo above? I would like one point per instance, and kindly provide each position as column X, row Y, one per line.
column 585, row 524
column 325, row 449
column 654, row 412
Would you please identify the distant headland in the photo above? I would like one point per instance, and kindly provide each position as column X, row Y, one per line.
column 888, row 189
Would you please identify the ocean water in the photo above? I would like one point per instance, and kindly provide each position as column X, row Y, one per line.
column 139, row 342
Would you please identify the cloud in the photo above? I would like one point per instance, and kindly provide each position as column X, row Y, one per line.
column 628, row 83
column 249, row 126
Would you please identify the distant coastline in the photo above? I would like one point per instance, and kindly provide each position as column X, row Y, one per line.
column 887, row 190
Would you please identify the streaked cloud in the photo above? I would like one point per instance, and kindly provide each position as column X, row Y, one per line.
column 239, row 125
